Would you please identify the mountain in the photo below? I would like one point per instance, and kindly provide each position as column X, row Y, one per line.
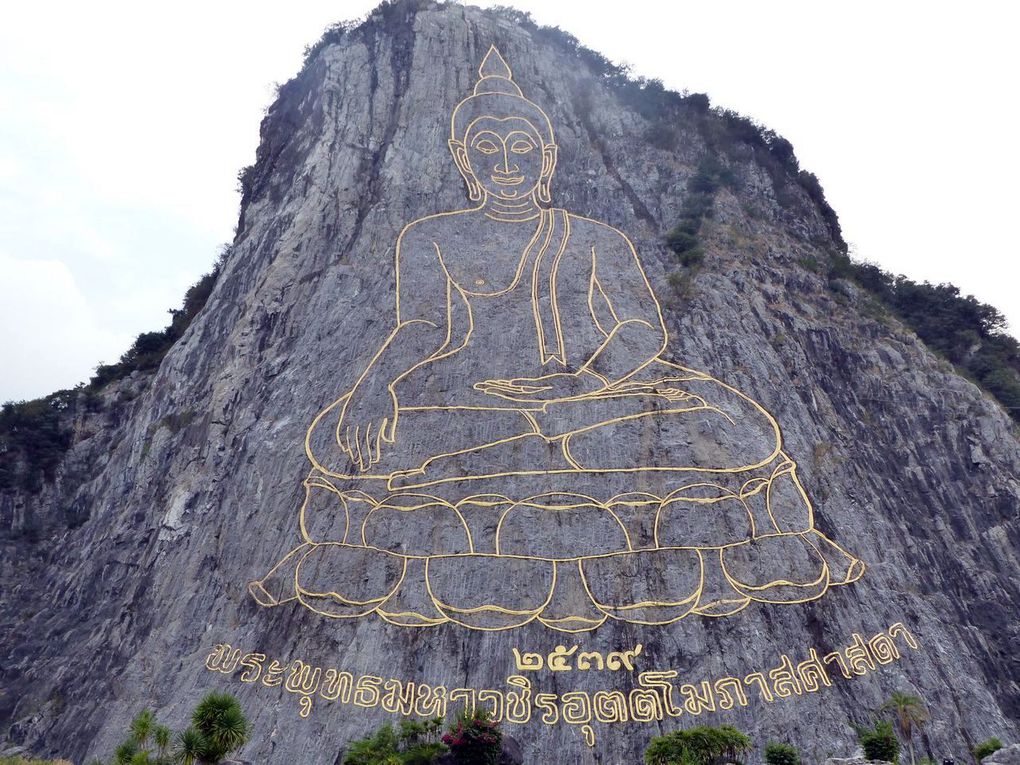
column 528, row 385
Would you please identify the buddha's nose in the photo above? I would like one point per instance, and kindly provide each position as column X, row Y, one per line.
column 505, row 167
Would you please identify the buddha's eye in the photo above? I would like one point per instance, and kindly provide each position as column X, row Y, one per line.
column 486, row 146
column 521, row 147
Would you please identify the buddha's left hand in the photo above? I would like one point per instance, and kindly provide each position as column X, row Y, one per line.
column 553, row 387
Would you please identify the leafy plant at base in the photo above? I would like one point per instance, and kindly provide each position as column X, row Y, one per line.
column 218, row 728
column 880, row 742
column 909, row 713
column 703, row 745
column 141, row 727
column 781, row 754
column 474, row 739
column 987, row 747
column 162, row 736
column 190, row 747
column 126, row 752
column 222, row 725
column 415, row 743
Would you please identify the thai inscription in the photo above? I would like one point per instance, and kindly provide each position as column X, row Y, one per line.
column 563, row 659
column 656, row 695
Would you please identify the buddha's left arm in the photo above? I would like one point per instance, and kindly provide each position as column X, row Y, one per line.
column 638, row 334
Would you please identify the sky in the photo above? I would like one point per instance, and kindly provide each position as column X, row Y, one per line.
column 123, row 126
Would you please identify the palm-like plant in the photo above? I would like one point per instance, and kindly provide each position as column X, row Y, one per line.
column 220, row 721
column 124, row 753
column 909, row 713
column 141, row 727
column 190, row 747
column 161, row 735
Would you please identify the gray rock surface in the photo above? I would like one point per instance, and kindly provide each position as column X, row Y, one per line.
column 1008, row 755
column 182, row 489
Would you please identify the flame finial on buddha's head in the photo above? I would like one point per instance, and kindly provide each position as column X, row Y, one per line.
column 495, row 75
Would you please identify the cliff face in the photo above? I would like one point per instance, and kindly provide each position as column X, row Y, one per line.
column 194, row 489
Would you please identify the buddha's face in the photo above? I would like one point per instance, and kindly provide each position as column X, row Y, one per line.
column 505, row 156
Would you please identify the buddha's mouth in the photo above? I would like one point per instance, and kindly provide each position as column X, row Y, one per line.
column 508, row 180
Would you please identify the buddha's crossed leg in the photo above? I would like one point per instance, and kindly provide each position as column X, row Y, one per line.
column 706, row 426
column 422, row 434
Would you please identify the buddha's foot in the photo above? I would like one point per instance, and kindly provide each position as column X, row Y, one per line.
column 412, row 605
column 345, row 581
column 571, row 607
column 277, row 587
column 490, row 592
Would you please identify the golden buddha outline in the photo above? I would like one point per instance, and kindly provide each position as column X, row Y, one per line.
column 520, row 429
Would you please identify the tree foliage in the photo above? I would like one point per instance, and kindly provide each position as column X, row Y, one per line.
column 35, row 435
column 781, row 754
column 909, row 713
column 879, row 742
column 970, row 334
column 218, row 728
column 474, row 739
column 412, row 743
column 698, row 205
column 221, row 723
column 703, row 745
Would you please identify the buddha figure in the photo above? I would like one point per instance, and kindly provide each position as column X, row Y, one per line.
column 519, row 447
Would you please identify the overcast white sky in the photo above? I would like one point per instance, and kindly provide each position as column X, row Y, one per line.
column 123, row 126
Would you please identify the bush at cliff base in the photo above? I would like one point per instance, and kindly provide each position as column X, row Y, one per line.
column 781, row 754
column 474, row 739
column 987, row 747
column 880, row 742
column 414, row 743
column 703, row 745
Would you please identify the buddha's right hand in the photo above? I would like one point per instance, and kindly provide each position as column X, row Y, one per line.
column 368, row 420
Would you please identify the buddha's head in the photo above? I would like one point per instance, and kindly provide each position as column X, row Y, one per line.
column 502, row 142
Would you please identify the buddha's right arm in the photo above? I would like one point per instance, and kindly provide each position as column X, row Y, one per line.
column 369, row 416
column 410, row 344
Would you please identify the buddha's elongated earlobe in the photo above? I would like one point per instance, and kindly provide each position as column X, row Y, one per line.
column 460, row 159
column 549, row 152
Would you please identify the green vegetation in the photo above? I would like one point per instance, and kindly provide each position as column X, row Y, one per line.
column 23, row 761
column 698, row 205
column 781, row 754
column 35, row 435
column 970, row 334
column 33, row 440
column 909, row 713
column 149, row 348
column 415, row 743
column 474, row 739
column 703, row 745
column 218, row 728
column 987, row 747
column 880, row 742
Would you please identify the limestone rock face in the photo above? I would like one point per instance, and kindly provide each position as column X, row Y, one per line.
column 856, row 481
column 1008, row 755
